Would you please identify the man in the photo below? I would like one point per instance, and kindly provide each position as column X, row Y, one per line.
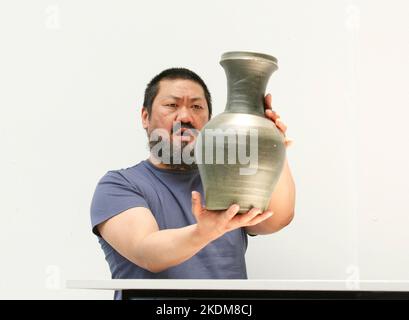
column 150, row 218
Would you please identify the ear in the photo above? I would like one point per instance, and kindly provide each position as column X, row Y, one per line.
column 145, row 118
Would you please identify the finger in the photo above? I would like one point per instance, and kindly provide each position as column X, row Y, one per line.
column 288, row 142
column 248, row 216
column 281, row 125
column 196, row 203
column 272, row 114
column 267, row 101
column 259, row 218
column 232, row 211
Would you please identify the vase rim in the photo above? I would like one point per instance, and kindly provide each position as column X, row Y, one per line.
column 232, row 55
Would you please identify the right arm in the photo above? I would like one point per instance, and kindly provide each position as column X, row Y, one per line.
column 135, row 234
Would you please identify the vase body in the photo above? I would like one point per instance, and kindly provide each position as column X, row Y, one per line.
column 248, row 175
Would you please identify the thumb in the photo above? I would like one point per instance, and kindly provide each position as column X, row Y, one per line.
column 267, row 101
column 196, row 203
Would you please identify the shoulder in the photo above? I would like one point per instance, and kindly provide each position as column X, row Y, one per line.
column 116, row 192
column 131, row 176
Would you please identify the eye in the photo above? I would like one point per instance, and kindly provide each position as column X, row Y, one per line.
column 197, row 106
column 172, row 105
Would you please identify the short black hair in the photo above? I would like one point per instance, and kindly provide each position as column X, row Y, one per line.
column 172, row 74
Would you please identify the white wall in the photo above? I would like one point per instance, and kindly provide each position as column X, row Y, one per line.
column 72, row 76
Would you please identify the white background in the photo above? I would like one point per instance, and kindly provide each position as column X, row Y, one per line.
column 72, row 76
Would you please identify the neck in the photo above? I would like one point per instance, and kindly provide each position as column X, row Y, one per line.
column 247, row 76
column 172, row 167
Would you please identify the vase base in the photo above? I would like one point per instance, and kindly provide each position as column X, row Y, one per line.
column 241, row 211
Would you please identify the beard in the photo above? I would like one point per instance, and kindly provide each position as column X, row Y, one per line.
column 174, row 153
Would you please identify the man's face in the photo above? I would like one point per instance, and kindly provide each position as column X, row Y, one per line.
column 178, row 104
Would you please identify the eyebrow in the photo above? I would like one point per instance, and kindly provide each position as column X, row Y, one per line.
column 179, row 98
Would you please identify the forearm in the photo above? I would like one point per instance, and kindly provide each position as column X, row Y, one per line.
column 282, row 201
column 167, row 248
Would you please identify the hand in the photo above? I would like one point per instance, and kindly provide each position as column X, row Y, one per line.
column 274, row 116
column 213, row 224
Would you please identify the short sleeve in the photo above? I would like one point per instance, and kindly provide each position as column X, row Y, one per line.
column 113, row 195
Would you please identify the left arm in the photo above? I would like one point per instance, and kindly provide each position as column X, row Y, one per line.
column 282, row 200
column 282, row 204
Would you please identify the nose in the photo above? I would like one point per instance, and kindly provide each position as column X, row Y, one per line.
column 184, row 115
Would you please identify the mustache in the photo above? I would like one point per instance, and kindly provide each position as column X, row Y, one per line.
column 181, row 125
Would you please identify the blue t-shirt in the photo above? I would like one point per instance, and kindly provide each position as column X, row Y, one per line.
column 167, row 194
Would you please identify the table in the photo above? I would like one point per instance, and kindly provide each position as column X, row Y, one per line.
column 248, row 289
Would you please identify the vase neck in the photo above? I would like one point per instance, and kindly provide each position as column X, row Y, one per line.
column 247, row 77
